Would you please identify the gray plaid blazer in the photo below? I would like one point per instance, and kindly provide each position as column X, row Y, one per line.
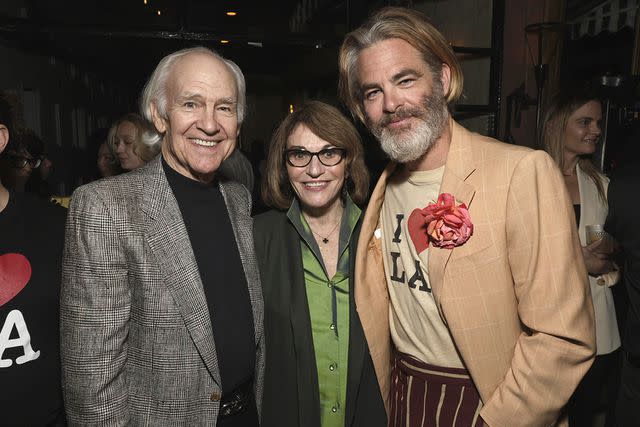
column 136, row 338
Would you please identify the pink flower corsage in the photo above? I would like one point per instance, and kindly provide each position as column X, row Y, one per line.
column 443, row 223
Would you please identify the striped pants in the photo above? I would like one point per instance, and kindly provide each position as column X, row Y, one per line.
column 424, row 395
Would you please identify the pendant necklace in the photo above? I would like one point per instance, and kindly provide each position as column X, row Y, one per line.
column 325, row 240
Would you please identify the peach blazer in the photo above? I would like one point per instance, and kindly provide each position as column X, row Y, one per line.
column 515, row 296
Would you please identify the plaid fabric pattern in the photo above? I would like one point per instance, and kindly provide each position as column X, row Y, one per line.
column 136, row 339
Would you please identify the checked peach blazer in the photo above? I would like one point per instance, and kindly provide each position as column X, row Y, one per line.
column 515, row 296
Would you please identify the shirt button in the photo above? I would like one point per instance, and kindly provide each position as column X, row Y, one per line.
column 215, row 396
column 332, row 326
column 329, row 284
column 334, row 409
column 332, row 367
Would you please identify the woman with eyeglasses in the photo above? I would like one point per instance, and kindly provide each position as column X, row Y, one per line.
column 38, row 182
column 18, row 163
column 318, row 372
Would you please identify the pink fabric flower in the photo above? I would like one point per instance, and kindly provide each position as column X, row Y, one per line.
column 443, row 224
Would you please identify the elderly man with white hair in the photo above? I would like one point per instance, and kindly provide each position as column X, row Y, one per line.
column 161, row 307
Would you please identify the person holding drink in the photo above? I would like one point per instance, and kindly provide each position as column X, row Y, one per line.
column 571, row 131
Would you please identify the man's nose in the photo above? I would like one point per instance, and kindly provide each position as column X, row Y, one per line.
column 119, row 147
column 209, row 122
column 391, row 101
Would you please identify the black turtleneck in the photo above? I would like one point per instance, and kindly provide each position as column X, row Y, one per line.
column 213, row 242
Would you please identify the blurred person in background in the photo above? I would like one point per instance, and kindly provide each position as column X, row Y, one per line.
column 107, row 163
column 18, row 163
column 38, row 182
column 238, row 168
column 134, row 141
column 571, row 131
column 31, row 242
column 622, row 225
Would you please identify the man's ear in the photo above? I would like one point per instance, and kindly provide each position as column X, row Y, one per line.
column 445, row 78
column 4, row 137
column 158, row 121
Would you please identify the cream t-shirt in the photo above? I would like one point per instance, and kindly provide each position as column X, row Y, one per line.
column 416, row 325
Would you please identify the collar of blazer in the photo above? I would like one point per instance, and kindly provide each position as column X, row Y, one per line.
column 459, row 167
column 156, row 192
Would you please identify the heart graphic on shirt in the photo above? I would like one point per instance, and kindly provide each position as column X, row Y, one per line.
column 15, row 272
column 418, row 230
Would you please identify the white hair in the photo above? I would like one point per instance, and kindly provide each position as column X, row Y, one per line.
column 155, row 91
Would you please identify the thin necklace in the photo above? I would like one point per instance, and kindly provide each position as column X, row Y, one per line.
column 325, row 240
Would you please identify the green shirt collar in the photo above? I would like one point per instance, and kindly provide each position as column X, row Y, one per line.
column 350, row 217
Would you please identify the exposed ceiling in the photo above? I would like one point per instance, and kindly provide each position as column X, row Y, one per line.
column 126, row 38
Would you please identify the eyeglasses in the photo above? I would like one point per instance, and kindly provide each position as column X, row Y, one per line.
column 19, row 161
column 300, row 158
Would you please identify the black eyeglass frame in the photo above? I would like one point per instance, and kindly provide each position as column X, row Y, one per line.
column 19, row 161
column 338, row 150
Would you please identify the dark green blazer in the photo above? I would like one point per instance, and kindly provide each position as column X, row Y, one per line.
column 291, row 397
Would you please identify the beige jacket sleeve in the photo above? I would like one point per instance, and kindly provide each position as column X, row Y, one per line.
column 557, row 344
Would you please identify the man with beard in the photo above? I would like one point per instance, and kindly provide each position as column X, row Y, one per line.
column 469, row 280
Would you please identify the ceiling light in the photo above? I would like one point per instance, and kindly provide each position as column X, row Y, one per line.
column 231, row 13
column 159, row 13
column 224, row 41
column 144, row 1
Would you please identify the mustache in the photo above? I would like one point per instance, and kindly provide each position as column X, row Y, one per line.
column 400, row 114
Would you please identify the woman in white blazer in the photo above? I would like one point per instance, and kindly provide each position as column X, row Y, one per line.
column 571, row 131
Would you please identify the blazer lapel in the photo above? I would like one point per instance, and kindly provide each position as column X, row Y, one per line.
column 371, row 294
column 459, row 167
column 242, row 225
column 169, row 241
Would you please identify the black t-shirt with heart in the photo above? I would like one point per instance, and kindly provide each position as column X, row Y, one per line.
column 31, row 243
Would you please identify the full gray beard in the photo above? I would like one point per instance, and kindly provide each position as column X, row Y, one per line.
column 407, row 145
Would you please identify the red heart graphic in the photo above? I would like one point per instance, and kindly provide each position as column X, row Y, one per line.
column 15, row 272
column 418, row 230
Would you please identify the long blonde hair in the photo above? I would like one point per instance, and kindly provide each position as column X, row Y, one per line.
column 147, row 142
column 554, row 125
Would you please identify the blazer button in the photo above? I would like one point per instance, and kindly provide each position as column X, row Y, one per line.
column 215, row 396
